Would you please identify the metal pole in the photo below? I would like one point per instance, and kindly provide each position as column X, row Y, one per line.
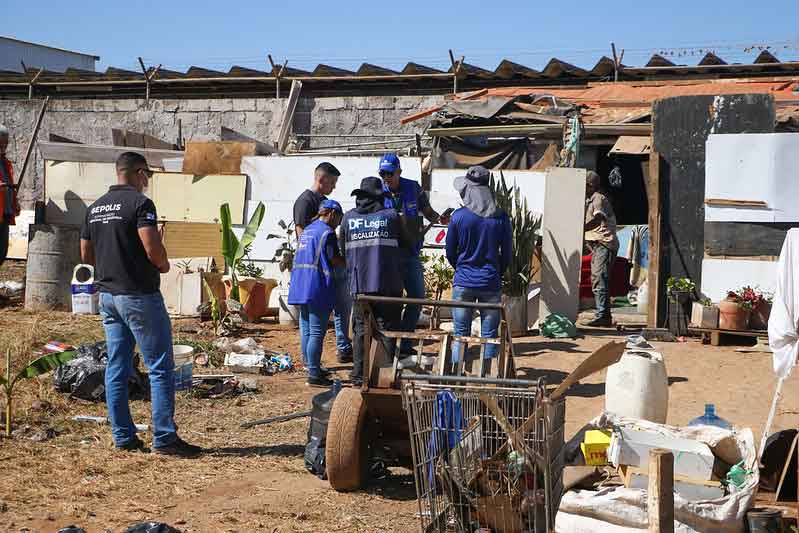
column 32, row 141
column 423, row 301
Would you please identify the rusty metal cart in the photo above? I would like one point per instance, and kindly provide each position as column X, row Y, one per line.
column 488, row 453
column 370, row 421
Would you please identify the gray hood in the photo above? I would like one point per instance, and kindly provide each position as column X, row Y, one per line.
column 475, row 192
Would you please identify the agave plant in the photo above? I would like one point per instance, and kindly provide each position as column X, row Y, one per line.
column 234, row 249
column 525, row 226
column 37, row 367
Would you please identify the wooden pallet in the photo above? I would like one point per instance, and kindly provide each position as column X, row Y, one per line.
column 714, row 336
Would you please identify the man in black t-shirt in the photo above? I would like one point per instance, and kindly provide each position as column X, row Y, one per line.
column 120, row 238
column 306, row 208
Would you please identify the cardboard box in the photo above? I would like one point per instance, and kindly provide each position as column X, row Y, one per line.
column 691, row 489
column 692, row 459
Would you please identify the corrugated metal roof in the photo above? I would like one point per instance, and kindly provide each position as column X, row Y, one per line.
column 325, row 79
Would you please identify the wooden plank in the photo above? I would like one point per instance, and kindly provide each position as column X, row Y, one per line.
column 117, row 137
column 654, row 314
column 600, row 359
column 193, row 239
column 94, row 153
column 561, row 257
column 735, row 203
column 745, row 238
column 216, row 157
column 71, row 187
column 288, row 116
column 444, row 355
column 261, row 148
column 182, row 197
column 660, row 496
column 428, row 112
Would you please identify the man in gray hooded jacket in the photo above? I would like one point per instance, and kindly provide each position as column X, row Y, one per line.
column 479, row 246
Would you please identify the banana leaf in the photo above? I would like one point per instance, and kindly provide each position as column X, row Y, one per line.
column 42, row 365
column 230, row 244
column 249, row 232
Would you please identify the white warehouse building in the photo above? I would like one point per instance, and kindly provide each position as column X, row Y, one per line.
column 13, row 52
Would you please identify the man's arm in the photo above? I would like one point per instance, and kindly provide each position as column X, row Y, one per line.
column 87, row 252
column 594, row 222
column 154, row 248
column 452, row 244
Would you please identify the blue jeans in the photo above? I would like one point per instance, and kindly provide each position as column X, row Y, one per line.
column 341, row 313
column 313, row 326
column 413, row 282
column 462, row 318
column 129, row 320
column 602, row 259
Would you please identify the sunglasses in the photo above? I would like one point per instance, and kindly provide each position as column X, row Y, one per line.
column 147, row 172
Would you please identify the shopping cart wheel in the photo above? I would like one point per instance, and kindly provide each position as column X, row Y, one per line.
column 346, row 454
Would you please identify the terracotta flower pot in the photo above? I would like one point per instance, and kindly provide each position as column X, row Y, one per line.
column 760, row 315
column 733, row 316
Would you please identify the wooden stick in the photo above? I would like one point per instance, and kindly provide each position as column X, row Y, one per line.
column 735, row 203
column 661, row 491
column 770, row 419
column 32, row 142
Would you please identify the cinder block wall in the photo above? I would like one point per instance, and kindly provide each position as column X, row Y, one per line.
column 90, row 121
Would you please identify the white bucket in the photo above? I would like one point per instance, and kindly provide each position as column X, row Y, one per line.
column 288, row 315
column 638, row 386
column 85, row 296
column 184, row 365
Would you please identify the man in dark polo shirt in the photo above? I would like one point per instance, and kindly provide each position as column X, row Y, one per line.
column 120, row 238
column 306, row 208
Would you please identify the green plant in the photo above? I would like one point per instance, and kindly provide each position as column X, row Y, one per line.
column 233, row 249
column 706, row 302
column 37, row 367
column 185, row 266
column 525, row 226
column 750, row 297
column 247, row 268
column 680, row 285
column 286, row 250
column 438, row 276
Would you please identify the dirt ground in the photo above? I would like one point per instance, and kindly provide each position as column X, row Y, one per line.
column 254, row 479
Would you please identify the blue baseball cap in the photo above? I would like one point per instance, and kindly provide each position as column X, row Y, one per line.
column 389, row 163
column 331, row 204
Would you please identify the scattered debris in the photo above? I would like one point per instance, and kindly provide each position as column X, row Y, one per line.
column 11, row 288
column 28, row 432
column 41, row 406
column 101, row 420
column 557, row 326
column 151, row 527
column 84, row 376
column 55, row 346
column 72, row 529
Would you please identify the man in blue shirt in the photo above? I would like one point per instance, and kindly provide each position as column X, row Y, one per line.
column 411, row 202
column 479, row 247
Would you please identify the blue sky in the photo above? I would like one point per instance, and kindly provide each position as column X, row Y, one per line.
column 217, row 35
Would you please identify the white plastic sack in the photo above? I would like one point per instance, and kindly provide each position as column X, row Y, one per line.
column 783, row 337
column 626, row 509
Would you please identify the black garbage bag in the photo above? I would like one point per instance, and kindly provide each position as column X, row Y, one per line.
column 72, row 529
column 151, row 527
column 84, row 376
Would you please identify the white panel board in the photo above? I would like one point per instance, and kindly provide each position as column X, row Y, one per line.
column 532, row 185
column 71, row 187
column 278, row 181
column 753, row 166
column 18, row 235
column 562, row 250
column 722, row 275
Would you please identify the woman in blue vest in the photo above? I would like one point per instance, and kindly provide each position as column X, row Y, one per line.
column 312, row 286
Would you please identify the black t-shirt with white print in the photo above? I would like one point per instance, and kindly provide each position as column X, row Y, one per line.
column 112, row 225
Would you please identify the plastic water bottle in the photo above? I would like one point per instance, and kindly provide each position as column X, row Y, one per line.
column 710, row 419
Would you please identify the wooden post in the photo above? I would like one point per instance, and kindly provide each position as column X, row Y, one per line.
column 615, row 62
column 661, row 491
column 32, row 142
column 654, row 200
column 148, row 77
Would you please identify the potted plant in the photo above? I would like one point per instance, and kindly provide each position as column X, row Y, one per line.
column 234, row 251
column 525, row 227
column 704, row 314
column 761, row 306
column 735, row 310
column 438, row 276
column 287, row 314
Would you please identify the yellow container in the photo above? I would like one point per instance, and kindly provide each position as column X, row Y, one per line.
column 595, row 447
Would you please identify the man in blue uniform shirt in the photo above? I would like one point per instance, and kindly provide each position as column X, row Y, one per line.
column 371, row 237
column 408, row 199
